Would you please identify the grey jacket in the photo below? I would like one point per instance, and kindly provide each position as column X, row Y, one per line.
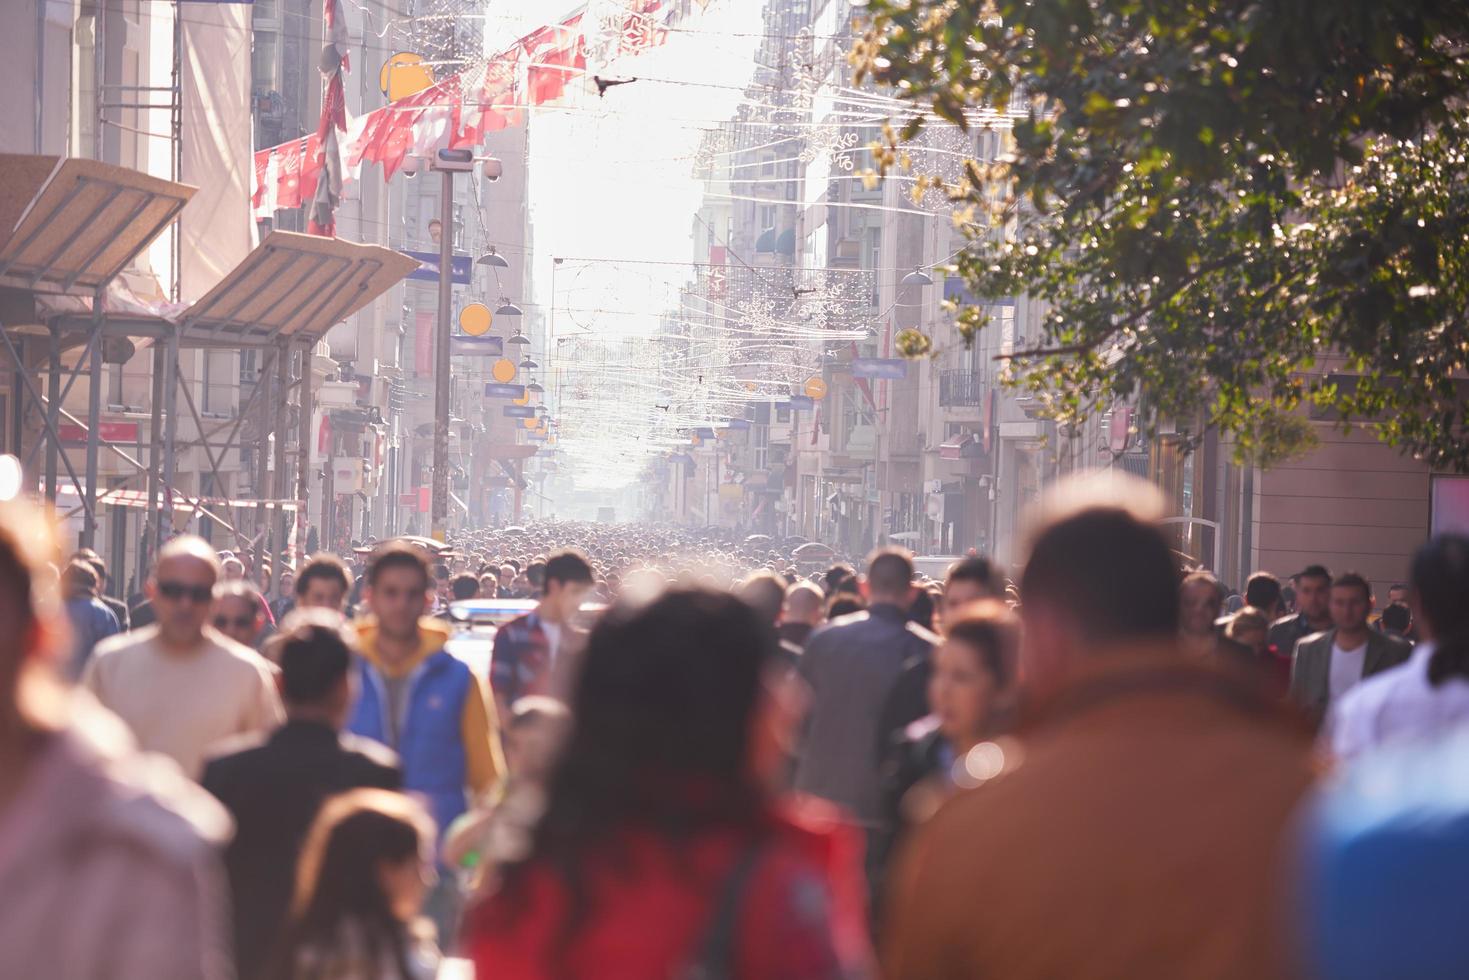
column 1310, row 669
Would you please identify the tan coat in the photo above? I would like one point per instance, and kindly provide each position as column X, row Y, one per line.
column 1137, row 832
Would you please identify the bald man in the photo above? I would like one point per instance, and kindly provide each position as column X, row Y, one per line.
column 803, row 611
column 180, row 685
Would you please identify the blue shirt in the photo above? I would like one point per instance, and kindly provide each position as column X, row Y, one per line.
column 1386, row 874
column 91, row 622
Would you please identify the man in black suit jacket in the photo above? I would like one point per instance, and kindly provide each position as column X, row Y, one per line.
column 274, row 785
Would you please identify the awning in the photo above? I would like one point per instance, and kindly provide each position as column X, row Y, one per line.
column 298, row 286
column 961, row 447
column 139, row 499
column 72, row 224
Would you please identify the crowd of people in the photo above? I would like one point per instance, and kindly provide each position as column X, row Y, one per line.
column 696, row 755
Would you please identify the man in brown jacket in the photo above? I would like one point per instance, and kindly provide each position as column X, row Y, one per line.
column 1137, row 828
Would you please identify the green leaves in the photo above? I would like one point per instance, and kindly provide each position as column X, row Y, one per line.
column 1227, row 199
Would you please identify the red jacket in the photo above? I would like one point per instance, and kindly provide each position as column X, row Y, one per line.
column 651, row 901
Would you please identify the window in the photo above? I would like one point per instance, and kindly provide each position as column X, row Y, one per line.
column 767, row 165
column 765, row 216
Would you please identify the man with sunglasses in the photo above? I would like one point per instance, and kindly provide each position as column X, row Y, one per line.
column 239, row 612
column 179, row 684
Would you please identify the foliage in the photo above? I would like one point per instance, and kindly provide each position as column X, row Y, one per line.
column 1224, row 204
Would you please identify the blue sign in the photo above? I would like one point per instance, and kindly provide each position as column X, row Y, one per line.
column 519, row 411
column 887, row 368
column 460, row 267
column 738, row 424
column 476, row 346
column 535, row 437
column 704, row 432
column 802, row 403
column 496, row 390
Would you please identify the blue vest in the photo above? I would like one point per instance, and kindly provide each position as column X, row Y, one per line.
column 430, row 736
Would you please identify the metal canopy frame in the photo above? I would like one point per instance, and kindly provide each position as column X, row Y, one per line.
column 76, row 225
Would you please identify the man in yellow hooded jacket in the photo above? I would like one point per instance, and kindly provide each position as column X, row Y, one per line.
column 422, row 702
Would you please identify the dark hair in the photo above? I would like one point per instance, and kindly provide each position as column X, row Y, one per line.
column 1397, row 617
column 1262, row 590
column 1113, row 572
column 660, row 730
column 765, row 593
column 17, row 574
column 993, row 632
column 1352, row 580
column 920, row 611
column 397, row 555
column 568, row 566
column 889, row 572
column 337, row 876
column 981, row 571
column 79, row 575
column 843, row 604
column 328, row 567
column 535, row 573
column 836, row 575
column 1313, row 571
column 464, row 586
column 314, row 656
column 1439, row 581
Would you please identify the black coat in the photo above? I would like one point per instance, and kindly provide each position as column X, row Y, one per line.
column 273, row 787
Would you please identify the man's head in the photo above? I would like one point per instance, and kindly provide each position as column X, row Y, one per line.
column 890, row 577
column 182, row 589
column 1262, row 592
column 1200, row 600
column 1397, row 592
column 507, row 577
column 98, row 565
column 399, row 589
column 323, row 583
column 239, row 612
column 489, row 586
column 568, row 579
column 1313, row 594
column 969, row 580
column 1350, row 601
column 464, row 586
column 1397, row 618
column 835, row 575
column 804, row 603
column 79, row 580
column 1101, row 579
column 765, row 593
column 315, row 657
column 232, row 568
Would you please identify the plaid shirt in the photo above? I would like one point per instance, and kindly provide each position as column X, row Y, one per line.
column 521, row 661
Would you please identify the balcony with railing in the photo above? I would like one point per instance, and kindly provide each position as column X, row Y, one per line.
column 960, row 387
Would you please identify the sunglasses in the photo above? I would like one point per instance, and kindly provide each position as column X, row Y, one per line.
column 178, row 590
column 238, row 622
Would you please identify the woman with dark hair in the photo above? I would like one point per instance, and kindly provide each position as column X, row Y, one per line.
column 970, row 694
column 1428, row 695
column 659, row 850
column 366, row 867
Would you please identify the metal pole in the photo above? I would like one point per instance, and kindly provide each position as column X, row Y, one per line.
column 277, row 534
column 155, row 444
column 94, row 419
column 17, row 413
column 170, row 433
column 303, row 453
column 53, row 411
column 262, row 465
column 440, row 516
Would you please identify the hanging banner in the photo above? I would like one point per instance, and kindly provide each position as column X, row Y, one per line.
column 476, row 346
column 494, row 389
column 461, row 267
column 517, row 412
column 887, row 368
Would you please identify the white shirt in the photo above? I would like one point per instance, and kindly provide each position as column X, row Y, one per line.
column 553, row 637
column 1346, row 669
column 1398, row 705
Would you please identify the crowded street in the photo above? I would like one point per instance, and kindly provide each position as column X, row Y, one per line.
column 734, row 490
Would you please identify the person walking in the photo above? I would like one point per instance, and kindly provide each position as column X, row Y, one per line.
column 657, row 812
column 180, row 685
column 1313, row 611
column 365, row 868
column 239, row 612
column 970, row 695
column 532, row 653
column 1326, row 665
column 421, row 701
column 1428, row 696
column 323, row 583
column 274, row 785
column 109, row 862
column 802, row 611
column 118, row 607
column 852, row 667
column 1140, row 831
column 91, row 620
